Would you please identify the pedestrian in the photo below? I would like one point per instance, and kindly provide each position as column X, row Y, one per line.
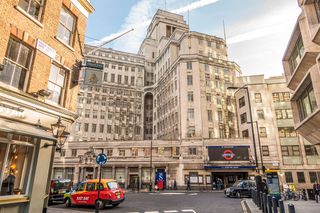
column 265, row 186
column 175, row 184
column 188, row 184
column 315, row 190
column 318, row 191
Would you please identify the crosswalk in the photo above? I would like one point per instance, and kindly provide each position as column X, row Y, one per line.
column 170, row 211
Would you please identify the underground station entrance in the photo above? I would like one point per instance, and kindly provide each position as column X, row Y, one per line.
column 228, row 178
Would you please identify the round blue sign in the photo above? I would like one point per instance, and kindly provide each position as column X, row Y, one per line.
column 101, row 159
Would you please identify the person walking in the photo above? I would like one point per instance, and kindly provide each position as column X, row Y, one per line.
column 188, row 184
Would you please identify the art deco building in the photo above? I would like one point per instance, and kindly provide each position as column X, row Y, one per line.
column 301, row 66
column 40, row 50
column 279, row 147
column 191, row 73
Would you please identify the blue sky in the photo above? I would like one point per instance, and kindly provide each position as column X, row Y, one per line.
column 257, row 30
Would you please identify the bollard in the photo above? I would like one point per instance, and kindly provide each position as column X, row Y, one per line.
column 291, row 208
column 265, row 203
column 260, row 201
column 316, row 196
column 274, row 205
column 281, row 206
column 269, row 200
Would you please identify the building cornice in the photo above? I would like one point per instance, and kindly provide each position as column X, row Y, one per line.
column 87, row 5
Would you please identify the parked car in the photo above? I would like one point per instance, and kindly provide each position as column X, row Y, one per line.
column 86, row 193
column 240, row 188
column 58, row 188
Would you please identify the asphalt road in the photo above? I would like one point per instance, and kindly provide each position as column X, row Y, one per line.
column 165, row 202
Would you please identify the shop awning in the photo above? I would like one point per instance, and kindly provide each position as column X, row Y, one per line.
column 24, row 129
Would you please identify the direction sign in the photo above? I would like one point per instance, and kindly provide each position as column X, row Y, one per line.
column 101, row 159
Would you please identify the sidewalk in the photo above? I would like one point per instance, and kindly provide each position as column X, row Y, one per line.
column 174, row 191
column 300, row 206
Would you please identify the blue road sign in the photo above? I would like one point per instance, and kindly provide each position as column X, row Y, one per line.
column 101, row 159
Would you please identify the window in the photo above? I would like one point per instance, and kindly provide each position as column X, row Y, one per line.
column 16, row 64
column 219, row 100
column 122, row 152
column 209, row 115
column 101, row 128
column 317, row 7
column 112, row 78
column 86, row 127
column 206, row 67
column 262, row 132
column 94, row 114
column 313, row 177
column 94, row 128
column 189, row 80
column 109, row 127
column 191, row 114
column 66, row 26
column 243, row 118
column 208, row 97
column 126, row 80
column 301, row 178
column 90, row 186
column 220, row 116
column 132, row 80
column 15, row 168
column 209, row 43
column 260, row 114
column 287, row 132
column 265, row 151
column 192, row 151
column 281, row 97
column 283, row 114
column 307, row 103
column 289, row 178
column 290, row 150
column 296, row 55
column 245, row 133
column 32, row 7
column 73, row 152
column 242, row 102
column 190, row 96
column 119, row 79
column 105, row 77
column 257, row 97
column 191, row 132
column 189, row 65
column 109, row 152
column 311, row 150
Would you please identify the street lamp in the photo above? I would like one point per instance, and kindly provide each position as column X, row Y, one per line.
column 150, row 186
column 250, row 112
column 58, row 132
column 261, row 158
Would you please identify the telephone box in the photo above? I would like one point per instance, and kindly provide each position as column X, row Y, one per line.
column 273, row 183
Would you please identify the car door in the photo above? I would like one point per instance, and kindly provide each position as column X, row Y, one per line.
column 91, row 193
column 245, row 188
column 77, row 194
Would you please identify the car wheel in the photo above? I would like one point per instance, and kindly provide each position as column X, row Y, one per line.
column 100, row 204
column 238, row 195
column 68, row 202
column 115, row 205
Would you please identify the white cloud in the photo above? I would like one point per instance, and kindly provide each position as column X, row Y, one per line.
column 139, row 19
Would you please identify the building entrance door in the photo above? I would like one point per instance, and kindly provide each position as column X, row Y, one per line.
column 227, row 178
column 134, row 182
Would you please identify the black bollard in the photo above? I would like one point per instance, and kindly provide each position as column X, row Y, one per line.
column 281, row 206
column 265, row 203
column 269, row 200
column 291, row 208
column 274, row 205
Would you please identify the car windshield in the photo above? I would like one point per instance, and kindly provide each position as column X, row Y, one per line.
column 112, row 185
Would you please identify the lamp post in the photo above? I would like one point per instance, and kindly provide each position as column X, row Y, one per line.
column 259, row 143
column 150, row 186
column 58, row 132
column 252, row 131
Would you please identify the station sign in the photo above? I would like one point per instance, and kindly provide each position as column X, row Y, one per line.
column 228, row 153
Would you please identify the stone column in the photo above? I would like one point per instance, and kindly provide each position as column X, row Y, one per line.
column 126, row 177
column 113, row 171
column 81, row 174
column 167, row 180
column 76, row 174
column 140, row 176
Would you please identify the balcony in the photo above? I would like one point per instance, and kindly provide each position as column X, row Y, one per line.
column 309, row 128
column 307, row 61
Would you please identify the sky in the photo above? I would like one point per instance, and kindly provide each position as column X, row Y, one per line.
column 257, row 31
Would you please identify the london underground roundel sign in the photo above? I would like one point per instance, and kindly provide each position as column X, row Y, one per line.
column 228, row 154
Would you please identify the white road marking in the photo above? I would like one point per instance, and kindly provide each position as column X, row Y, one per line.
column 152, row 212
column 189, row 210
column 172, row 193
column 170, row 211
column 193, row 194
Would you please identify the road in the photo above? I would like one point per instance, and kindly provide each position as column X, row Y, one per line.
column 165, row 202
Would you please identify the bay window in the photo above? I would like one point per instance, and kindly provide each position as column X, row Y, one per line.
column 307, row 103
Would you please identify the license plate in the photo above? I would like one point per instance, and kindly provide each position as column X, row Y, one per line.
column 118, row 196
column 62, row 191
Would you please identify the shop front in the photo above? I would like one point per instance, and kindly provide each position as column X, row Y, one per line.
column 26, row 151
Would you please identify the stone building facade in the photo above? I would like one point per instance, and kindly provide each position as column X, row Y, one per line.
column 110, row 108
column 278, row 145
column 40, row 53
column 301, row 67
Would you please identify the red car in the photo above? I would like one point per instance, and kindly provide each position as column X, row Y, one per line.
column 86, row 193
